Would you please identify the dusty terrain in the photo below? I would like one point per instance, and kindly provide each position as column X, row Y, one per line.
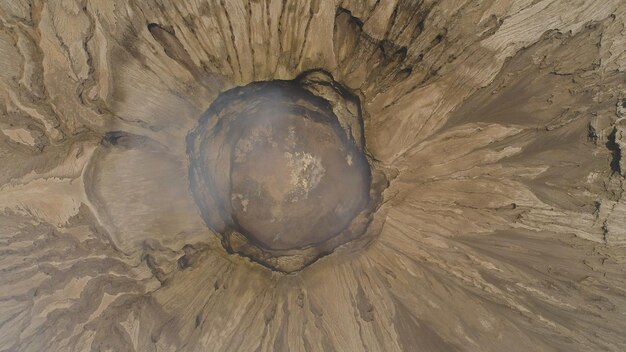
column 494, row 133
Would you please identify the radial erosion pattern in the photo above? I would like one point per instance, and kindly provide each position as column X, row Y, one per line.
column 312, row 175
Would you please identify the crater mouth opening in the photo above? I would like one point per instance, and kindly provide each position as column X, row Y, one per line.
column 280, row 173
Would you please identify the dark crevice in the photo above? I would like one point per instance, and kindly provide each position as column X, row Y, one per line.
column 353, row 19
column 616, row 153
column 166, row 37
column 122, row 139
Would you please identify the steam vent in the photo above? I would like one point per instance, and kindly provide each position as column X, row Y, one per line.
column 312, row 175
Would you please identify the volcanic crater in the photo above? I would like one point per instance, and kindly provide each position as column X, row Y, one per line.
column 280, row 170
